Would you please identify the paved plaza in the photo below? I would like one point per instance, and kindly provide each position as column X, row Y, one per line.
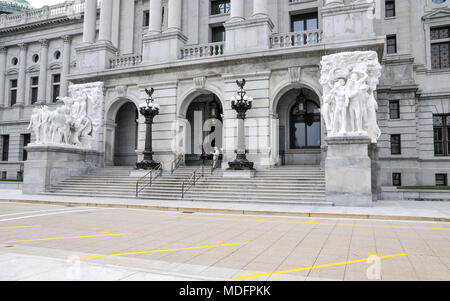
column 54, row 242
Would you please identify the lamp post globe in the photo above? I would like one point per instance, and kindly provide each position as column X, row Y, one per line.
column 149, row 110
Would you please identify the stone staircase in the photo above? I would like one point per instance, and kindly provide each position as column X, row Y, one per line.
column 282, row 185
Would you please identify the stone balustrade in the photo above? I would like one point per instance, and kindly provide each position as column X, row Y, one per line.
column 125, row 61
column 203, row 50
column 296, row 39
column 69, row 10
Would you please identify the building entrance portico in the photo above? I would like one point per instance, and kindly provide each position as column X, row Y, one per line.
column 299, row 128
column 204, row 117
column 126, row 135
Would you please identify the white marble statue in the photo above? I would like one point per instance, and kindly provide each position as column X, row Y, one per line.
column 73, row 124
column 349, row 81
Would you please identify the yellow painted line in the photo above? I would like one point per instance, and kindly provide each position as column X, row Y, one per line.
column 166, row 250
column 68, row 237
column 19, row 227
column 313, row 221
column 317, row 267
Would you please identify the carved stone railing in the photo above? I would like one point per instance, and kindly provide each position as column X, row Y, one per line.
column 72, row 9
column 296, row 39
column 125, row 61
column 203, row 50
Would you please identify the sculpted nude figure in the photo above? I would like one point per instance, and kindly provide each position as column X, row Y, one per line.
column 341, row 104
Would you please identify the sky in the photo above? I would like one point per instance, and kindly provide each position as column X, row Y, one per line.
column 40, row 3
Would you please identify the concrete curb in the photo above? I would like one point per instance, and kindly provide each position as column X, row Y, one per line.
column 235, row 211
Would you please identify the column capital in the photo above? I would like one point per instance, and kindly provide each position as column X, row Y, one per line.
column 3, row 49
column 66, row 38
column 22, row 45
column 44, row 43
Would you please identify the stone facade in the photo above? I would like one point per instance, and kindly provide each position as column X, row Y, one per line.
column 176, row 53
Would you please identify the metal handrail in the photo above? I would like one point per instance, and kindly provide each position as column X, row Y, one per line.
column 176, row 163
column 154, row 169
column 195, row 179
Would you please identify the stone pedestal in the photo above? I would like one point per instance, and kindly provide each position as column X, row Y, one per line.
column 95, row 57
column 348, row 171
column 49, row 165
column 252, row 34
column 244, row 174
column 163, row 47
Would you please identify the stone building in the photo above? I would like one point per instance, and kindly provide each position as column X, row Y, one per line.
column 193, row 51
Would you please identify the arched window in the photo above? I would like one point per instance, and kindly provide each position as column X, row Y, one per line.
column 304, row 123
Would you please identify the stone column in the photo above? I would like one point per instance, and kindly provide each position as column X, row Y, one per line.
column 21, row 85
column 3, row 51
column 237, row 10
column 175, row 7
column 65, row 66
column 105, row 20
column 42, row 89
column 155, row 17
column 90, row 20
column 260, row 8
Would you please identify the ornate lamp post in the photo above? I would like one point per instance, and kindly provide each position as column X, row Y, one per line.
column 149, row 110
column 242, row 103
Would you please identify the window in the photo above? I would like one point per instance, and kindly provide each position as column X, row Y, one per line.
column 34, row 89
column 13, row 91
column 440, row 46
column 146, row 18
column 394, row 109
column 304, row 22
column 220, row 7
column 390, row 8
column 391, row 44
column 441, row 179
column 26, row 138
column 218, row 34
column 56, row 83
column 5, row 147
column 396, row 148
column 397, row 179
column 304, row 124
column 441, row 130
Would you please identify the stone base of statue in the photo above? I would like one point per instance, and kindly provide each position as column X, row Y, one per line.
column 48, row 165
column 241, row 163
column 243, row 174
column 348, row 171
column 147, row 165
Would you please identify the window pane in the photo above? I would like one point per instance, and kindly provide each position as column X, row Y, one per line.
column 448, row 120
column 434, row 34
column 55, row 93
column 437, row 121
column 300, row 140
column 435, row 60
column 314, row 134
column 396, row 179
column 441, row 179
column 34, row 95
column 298, row 26
column 56, row 78
column 390, row 9
column 394, row 110
column 218, row 34
column 444, row 54
column 444, row 33
column 437, row 134
column 14, row 83
column 35, row 81
column 13, row 97
column 311, row 24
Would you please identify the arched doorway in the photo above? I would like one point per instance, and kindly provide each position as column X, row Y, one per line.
column 205, row 117
column 126, row 133
column 299, row 128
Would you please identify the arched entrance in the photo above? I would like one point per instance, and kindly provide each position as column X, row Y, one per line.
column 299, row 128
column 126, row 133
column 204, row 116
